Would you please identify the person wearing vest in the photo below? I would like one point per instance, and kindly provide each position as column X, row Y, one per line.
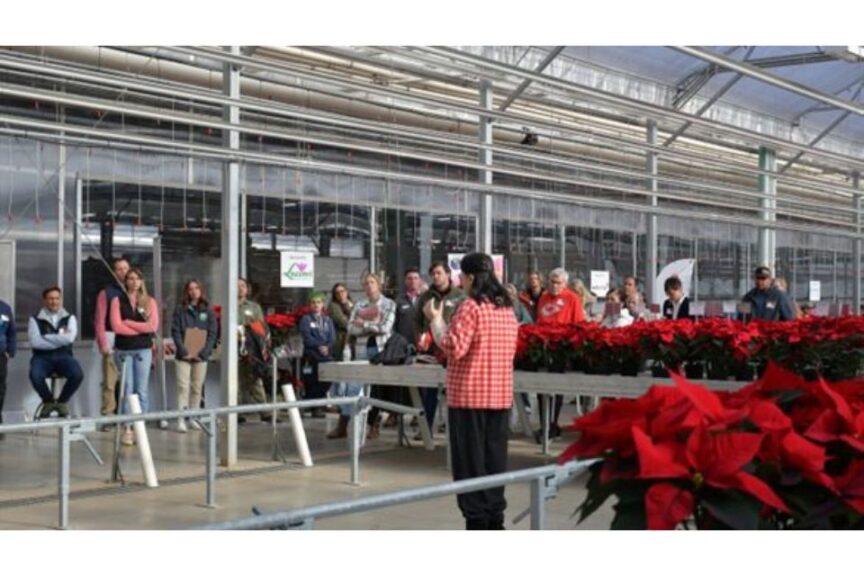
column 7, row 348
column 105, row 336
column 371, row 322
column 190, row 370
column 339, row 311
column 249, row 315
column 135, row 320
column 52, row 332
column 406, row 326
column 450, row 297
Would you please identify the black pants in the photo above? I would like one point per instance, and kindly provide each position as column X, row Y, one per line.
column 314, row 389
column 3, row 363
column 478, row 442
column 555, row 406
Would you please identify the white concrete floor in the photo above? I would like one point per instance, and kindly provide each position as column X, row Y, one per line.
column 28, row 482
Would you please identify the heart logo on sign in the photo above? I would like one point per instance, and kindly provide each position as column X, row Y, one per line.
column 301, row 266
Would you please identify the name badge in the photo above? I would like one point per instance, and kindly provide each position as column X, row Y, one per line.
column 406, row 306
column 771, row 305
column 4, row 318
column 313, row 325
column 202, row 316
column 449, row 304
column 248, row 312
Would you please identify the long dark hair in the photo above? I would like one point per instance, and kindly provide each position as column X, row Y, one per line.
column 486, row 287
column 334, row 299
column 202, row 302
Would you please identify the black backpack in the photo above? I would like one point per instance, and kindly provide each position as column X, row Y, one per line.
column 397, row 351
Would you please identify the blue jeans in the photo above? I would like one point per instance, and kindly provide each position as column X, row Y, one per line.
column 345, row 390
column 137, row 375
column 430, row 405
column 64, row 365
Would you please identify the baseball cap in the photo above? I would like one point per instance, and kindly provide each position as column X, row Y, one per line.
column 762, row 272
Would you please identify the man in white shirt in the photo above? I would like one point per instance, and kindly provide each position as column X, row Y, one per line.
column 52, row 333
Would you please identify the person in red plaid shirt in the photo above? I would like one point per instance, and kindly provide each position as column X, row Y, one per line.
column 480, row 344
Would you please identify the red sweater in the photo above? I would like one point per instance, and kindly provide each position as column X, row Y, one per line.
column 563, row 309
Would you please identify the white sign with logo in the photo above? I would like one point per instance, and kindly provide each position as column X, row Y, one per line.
column 297, row 270
column 815, row 290
column 600, row 282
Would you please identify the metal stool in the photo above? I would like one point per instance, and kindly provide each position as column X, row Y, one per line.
column 57, row 381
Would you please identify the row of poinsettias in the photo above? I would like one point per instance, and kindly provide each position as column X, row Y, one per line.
column 715, row 347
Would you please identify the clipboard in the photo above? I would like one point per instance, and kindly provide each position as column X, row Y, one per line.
column 194, row 341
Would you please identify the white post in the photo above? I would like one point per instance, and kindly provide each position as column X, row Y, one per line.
column 297, row 426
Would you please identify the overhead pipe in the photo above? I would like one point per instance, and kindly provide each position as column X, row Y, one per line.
column 211, row 152
column 204, row 122
column 270, row 108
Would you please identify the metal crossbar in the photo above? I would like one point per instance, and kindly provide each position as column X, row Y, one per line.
column 545, row 481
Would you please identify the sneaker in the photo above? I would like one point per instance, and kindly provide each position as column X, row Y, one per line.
column 194, row 425
column 47, row 409
column 128, row 438
column 181, row 426
column 62, row 409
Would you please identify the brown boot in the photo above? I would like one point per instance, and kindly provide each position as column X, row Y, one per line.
column 341, row 430
column 374, row 431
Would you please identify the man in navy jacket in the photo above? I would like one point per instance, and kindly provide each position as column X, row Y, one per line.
column 7, row 348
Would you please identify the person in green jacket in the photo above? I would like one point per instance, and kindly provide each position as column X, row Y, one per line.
column 249, row 313
column 339, row 310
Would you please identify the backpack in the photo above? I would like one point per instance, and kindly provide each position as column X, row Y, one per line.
column 396, row 351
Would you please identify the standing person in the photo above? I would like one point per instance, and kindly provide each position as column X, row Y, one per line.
column 253, row 350
column 8, row 346
column 519, row 309
column 105, row 335
column 677, row 305
column 532, row 293
column 622, row 318
column 450, row 297
column 479, row 343
column 371, row 323
column 340, row 312
column 406, row 325
column 191, row 369
column 319, row 341
column 783, row 286
column 559, row 306
column 135, row 320
column 588, row 299
column 52, row 333
column 766, row 301
column 632, row 298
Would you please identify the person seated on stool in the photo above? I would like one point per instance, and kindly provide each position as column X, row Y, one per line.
column 52, row 332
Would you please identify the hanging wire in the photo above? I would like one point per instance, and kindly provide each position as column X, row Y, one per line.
column 284, row 200
column 204, row 220
column 89, row 186
column 12, row 170
column 37, row 180
column 185, row 177
column 114, row 191
column 162, row 185
column 140, row 190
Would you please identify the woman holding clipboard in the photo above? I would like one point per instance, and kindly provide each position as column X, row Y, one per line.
column 194, row 331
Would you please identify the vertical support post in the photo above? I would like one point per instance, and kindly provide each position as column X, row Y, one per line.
column 373, row 239
column 484, row 230
column 230, row 261
column 61, row 216
column 425, row 241
column 63, row 481
column 562, row 246
column 79, row 230
column 538, row 504
column 244, row 232
column 213, row 427
column 356, row 435
column 545, row 415
column 768, row 189
column 651, row 235
column 856, row 249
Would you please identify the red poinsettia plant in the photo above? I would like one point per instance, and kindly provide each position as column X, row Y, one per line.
column 780, row 453
column 284, row 325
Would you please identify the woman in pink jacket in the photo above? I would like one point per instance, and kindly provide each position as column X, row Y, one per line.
column 135, row 320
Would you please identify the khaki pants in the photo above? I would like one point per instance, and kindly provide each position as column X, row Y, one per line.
column 251, row 385
column 190, row 383
column 110, row 375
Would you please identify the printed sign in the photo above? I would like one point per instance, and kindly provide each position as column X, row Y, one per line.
column 600, row 282
column 297, row 270
column 815, row 290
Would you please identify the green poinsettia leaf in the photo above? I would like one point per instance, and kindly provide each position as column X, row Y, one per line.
column 734, row 509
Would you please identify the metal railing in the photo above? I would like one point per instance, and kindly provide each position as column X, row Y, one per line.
column 72, row 429
column 544, row 480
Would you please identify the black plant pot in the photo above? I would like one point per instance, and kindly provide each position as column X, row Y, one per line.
column 745, row 373
column 694, row 370
column 659, row 371
column 527, row 365
column 810, row 374
column 631, row 368
column 717, row 372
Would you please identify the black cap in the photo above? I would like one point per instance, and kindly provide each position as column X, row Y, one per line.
column 762, row 272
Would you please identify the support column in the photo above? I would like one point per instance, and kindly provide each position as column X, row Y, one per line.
column 61, row 216
column 562, row 248
column 373, row 239
column 856, row 250
column 768, row 189
column 425, row 241
column 651, row 232
column 244, row 233
column 230, row 262
column 79, row 260
column 484, row 230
